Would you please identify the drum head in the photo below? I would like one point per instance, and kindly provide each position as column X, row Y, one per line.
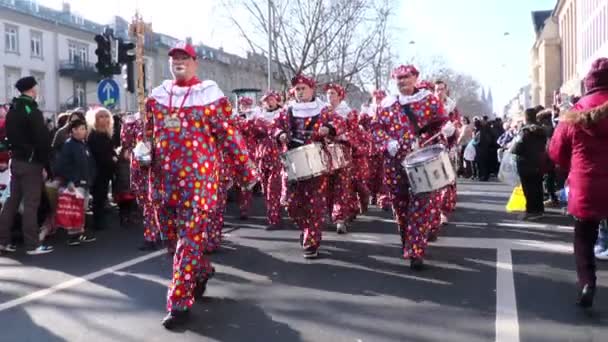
column 424, row 154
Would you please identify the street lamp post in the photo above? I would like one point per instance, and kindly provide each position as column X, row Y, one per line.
column 269, row 44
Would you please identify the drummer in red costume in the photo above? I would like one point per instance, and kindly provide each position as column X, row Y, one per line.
column 341, row 199
column 188, row 126
column 267, row 156
column 244, row 122
column 448, row 195
column 131, row 128
column 397, row 130
column 306, row 121
column 378, row 192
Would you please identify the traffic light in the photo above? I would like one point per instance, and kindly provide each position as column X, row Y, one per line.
column 104, row 56
column 126, row 52
column 129, row 76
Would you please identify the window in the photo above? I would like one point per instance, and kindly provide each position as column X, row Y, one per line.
column 34, row 5
column 36, row 44
column 12, row 76
column 78, row 53
column 11, row 38
column 39, row 76
column 80, row 94
column 83, row 53
column 77, row 19
column 73, row 52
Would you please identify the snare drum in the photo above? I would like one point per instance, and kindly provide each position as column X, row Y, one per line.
column 338, row 156
column 304, row 162
column 429, row 169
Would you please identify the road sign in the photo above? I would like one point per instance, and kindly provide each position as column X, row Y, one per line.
column 108, row 93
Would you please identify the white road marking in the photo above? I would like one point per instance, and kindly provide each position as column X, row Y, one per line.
column 507, row 324
column 77, row 281
column 507, row 321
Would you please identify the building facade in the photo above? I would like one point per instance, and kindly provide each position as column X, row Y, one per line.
column 583, row 29
column 58, row 48
column 567, row 13
column 592, row 32
column 516, row 106
column 546, row 63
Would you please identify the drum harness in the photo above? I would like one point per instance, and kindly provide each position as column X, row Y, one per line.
column 306, row 132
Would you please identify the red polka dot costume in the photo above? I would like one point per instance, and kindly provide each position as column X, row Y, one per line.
column 132, row 128
column 341, row 198
column 267, row 155
column 306, row 200
column 189, row 126
column 377, row 189
column 413, row 213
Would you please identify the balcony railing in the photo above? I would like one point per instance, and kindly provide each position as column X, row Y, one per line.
column 79, row 70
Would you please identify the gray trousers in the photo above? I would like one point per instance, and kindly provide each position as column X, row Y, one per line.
column 26, row 185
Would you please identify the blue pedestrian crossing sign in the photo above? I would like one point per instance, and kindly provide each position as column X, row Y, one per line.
column 108, row 93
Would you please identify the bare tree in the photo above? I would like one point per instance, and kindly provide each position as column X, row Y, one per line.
column 464, row 89
column 335, row 39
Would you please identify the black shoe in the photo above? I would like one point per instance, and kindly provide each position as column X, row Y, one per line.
column 10, row 248
column 585, row 296
column 78, row 239
column 175, row 319
column 244, row 217
column 301, row 239
column 148, row 246
column 416, row 264
column 273, row 227
column 201, row 286
column 311, row 253
column 432, row 237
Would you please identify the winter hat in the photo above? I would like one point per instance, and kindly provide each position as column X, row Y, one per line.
column 597, row 78
column 26, row 83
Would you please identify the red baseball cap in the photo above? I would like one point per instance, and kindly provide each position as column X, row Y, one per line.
column 183, row 47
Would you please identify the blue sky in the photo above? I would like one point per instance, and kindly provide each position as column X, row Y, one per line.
column 468, row 33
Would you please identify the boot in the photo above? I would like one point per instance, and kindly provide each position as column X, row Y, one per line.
column 585, row 296
column 175, row 319
column 416, row 264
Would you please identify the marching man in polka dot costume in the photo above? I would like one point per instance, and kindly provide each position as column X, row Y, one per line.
column 131, row 128
column 341, row 197
column 377, row 189
column 397, row 129
column 267, row 156
column 306, row 121
column 448, row 195
column 188, row 126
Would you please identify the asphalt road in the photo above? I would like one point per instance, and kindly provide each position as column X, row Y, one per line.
column 489, row 277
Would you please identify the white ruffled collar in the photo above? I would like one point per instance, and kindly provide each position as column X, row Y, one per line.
column 307, row 109
column 269, row 116
column 342, row 109
column 449, row 104
column 250, row 113
column 406, row 99
column 201, row 94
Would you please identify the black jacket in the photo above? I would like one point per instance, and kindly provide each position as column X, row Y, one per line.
column 75, row 164
column 26, row 132
column 102, row 148
column 531, row 149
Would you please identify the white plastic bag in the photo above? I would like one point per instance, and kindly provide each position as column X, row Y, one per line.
column 508, row 169
column 5, row 181
column 469, row 152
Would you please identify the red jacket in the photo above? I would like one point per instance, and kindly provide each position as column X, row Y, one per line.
column 580, row 145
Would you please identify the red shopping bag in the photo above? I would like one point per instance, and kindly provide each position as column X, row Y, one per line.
column 70, row 210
